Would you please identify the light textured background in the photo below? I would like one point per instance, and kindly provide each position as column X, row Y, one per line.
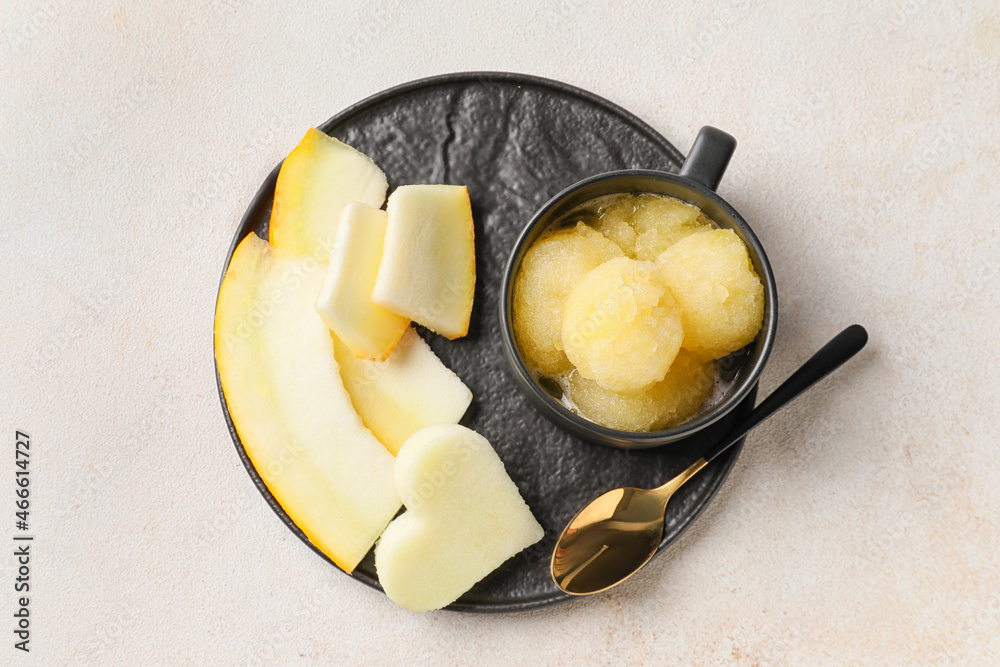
column 859, row 527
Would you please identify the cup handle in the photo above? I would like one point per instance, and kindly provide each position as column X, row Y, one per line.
column 709, row 157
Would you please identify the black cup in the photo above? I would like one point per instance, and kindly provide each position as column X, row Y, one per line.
column 699, row 176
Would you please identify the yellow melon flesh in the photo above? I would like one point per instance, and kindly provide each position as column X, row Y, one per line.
column 621, row 327
column 672, row 401
column 721, row 297
column 645, row 225
column 550, row 268
column 661, row 221
column 294, row 417
column 406, row 392
column 464, row 517
column 345, row 302
column 428, row 269
column 614, row 220
column 316, row 180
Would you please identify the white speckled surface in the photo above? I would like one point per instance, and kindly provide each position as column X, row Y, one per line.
column 859, row 527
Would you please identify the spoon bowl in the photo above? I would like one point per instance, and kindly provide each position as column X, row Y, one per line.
column 611, row 538
column 618, row 532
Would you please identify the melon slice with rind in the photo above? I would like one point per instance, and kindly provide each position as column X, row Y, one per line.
column 290, row 408
column 406, row 392
column 317, row 179
column 345, row 302
column 428, row 269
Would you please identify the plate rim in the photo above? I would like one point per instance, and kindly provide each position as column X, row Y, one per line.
column 264, row 195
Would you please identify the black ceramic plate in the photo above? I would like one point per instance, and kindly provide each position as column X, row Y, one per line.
column 515, row 141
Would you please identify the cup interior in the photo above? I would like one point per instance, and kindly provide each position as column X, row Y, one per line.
column 738, row 372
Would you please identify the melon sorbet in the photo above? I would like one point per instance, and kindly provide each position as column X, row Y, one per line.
column 629, row 312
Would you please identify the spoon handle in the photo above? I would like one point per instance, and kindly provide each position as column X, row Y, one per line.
column 844, row 346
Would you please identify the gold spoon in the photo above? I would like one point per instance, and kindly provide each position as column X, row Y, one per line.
column 616, row 534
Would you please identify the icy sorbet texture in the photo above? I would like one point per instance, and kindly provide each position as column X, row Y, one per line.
column 626, row 304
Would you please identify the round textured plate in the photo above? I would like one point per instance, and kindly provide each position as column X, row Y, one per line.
column 515, row 141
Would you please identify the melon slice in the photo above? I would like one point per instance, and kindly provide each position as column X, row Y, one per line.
column 345, row 302
column 296, row 421
column 401, row 395
column 316, row 180
column 464, row 518
column 428, row 269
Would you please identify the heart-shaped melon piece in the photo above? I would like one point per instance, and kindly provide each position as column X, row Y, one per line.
column 464, row 518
